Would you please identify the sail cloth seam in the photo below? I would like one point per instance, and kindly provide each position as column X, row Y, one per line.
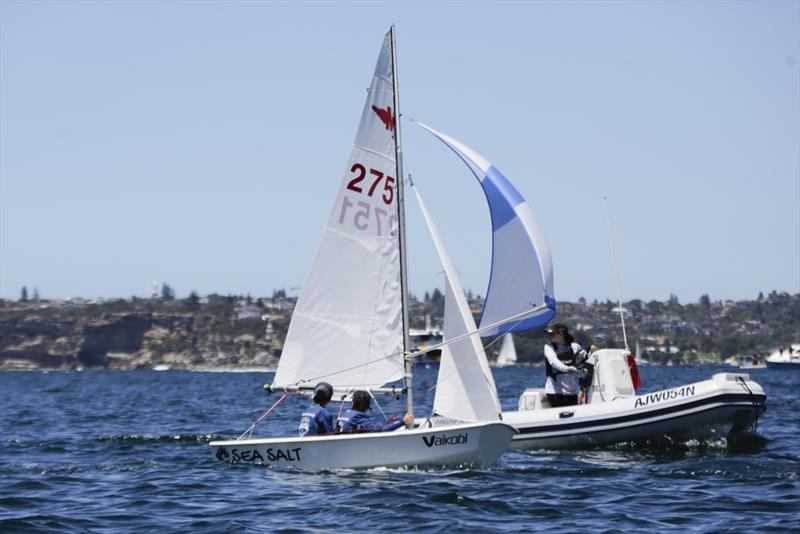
column 338, row 233
column 382, row 77
column 521, row 316
column 375, row 153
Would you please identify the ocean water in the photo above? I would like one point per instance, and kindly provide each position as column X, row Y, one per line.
column 127, row 451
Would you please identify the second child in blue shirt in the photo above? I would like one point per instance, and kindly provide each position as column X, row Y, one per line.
column 356, row 419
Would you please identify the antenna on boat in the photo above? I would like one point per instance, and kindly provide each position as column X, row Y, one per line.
column 408, row 362
column 616, row 276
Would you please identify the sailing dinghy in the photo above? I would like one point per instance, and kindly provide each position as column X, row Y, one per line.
column 350, row 325
column 508, row 352
column 613, row 412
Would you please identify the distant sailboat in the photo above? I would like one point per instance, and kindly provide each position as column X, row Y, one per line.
column 508, row 352
column 639, row 360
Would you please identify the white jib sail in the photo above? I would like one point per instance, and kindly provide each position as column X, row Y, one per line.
column 348, row 319
column 465, row 388
column 508, row 352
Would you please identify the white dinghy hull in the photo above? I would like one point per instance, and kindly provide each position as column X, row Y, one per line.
column 455, row 446
column 703, row 410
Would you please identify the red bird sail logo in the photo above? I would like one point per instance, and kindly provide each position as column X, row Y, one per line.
column 385, row 115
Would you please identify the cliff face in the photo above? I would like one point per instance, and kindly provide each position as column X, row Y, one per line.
column 124, row 334
column 130, row 340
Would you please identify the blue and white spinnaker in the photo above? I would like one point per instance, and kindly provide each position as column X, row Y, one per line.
column 522, row 271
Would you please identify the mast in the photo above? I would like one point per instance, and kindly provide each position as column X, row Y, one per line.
column 401, row 220
column 616, row 276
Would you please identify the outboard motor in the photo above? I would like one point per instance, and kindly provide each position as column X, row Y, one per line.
column 612, row 376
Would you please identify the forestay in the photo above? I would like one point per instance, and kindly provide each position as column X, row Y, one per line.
column 465, row 388
column 347, row 323
column 522, row 270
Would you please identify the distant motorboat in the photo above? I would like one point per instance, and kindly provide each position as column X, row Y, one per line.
column 423, row 338
column 161, row 367
column 785, row 359
column 747, row 362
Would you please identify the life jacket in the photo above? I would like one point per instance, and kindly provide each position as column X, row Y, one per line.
column 567, row 357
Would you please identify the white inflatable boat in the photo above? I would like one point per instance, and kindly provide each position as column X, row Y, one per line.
column 614, row 413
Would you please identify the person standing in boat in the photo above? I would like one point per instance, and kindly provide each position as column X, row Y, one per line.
column 356, row 419
column 562, row 357
column 316, row 419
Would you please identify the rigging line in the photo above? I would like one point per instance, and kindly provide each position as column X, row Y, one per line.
column 419, row 397
column 498, row 338
column 378, row 404
column 249, row 431
column 454, row 370
column 519, row 316
column 341, row 404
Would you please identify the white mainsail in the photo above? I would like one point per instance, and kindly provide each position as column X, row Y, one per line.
column 465, row 388
column 508, row 352
column 347, row 326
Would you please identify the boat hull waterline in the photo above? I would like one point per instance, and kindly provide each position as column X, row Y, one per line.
column 704, row 410
column 784, row 366
column 465, row 445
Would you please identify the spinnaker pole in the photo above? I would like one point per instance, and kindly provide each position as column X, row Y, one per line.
column 401, row 220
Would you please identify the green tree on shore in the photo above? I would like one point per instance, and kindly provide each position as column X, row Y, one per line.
column 167, row 293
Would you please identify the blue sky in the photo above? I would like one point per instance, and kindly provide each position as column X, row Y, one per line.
column 201, row 143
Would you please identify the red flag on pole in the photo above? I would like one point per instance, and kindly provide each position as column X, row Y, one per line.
column 637, row 382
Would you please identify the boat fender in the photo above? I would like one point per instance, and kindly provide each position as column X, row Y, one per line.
column 587, row 375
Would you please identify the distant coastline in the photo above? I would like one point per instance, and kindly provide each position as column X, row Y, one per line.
column 218, row 333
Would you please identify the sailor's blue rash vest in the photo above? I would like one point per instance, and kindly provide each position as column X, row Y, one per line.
column 355, row 421
column 315, row 420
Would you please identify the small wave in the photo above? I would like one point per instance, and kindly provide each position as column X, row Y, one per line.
column 231, row 370
column 168, row 438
